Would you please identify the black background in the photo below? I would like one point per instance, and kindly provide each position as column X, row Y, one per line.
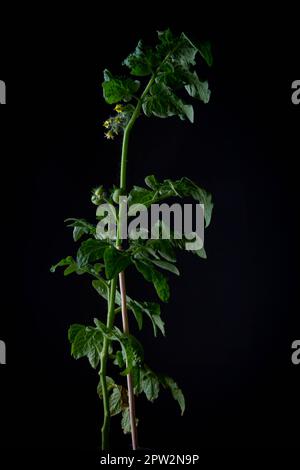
column 231, row 319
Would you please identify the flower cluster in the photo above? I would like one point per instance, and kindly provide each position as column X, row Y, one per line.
column 116, row 124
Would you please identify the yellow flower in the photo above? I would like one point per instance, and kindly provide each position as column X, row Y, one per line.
column 109, row 135
column 106, row 123
column 119, row 108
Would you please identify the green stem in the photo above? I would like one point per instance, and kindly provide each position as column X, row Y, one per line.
column 113, row 286
column 128, row 128
column 103, row 358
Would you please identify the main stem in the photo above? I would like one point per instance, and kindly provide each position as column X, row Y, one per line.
column 112, row 295
column 103, row 358
column 130, row 391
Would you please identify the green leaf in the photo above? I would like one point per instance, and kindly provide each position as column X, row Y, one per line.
column 86, row 341
column 198, row 89
column 137, row 311
column 152, row 310
column 101, row 286
column 182, row 50
column 150, row 386
column 201, row 253
column 80, row 227
column 204, row 49
column 115, row 401
column 73, row 330
column 117, row 89
column 110, row 383
column 100, row 326
column 119, row 360
column 159, row 281
column 163, row 102
column 142, row 61
column 163, row 247
column 185, row 52
column 158, row 323
column 187, row 187
column 183, row 187
column 73, row 267
column 63, row 262
column 139, row 195
column 125, row 421
column 177, row 394
column 166, row 265
column 131, row 347
column 152, row 182
column 166, row 46
column 90, row 250
column 115, row 261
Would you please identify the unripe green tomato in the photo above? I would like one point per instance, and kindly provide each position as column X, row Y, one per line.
column 97, row 195
column 116, row 194
column 96, row 199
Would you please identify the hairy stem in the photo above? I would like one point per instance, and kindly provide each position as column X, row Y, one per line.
column 127, row 131
column 129, row 126
column 103, row 357
column 112, row 295
column 131, row 401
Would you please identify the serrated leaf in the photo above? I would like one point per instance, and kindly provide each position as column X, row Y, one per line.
column 137, row 311
column 139, row 195
column 90, row 250
column 163, row 247
column 163, row 102
column 80, row 227
column 131, row 347
column 110, row 383
column 115, row 261
column 63, row 262
column 185, row 51
column 204, row 49
column 166, row 265
column 136, row 374
column 187, row 188
column 158, row 322
column 72, row 268
column 94, row 355
column 117, row 89
column 183, row 187
column 151, row 309
column 201, row 253
column 159, row 281
column 150, row 386
column 119, row 360
column 86, row 341
column 101, row 286
column 125, row 421
column 151, row 182
column 142, row 61
column 100, row 326
column 177, row 394
column 198, row 89
column 73, row 330
column 115, row 401
column 77, row 233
